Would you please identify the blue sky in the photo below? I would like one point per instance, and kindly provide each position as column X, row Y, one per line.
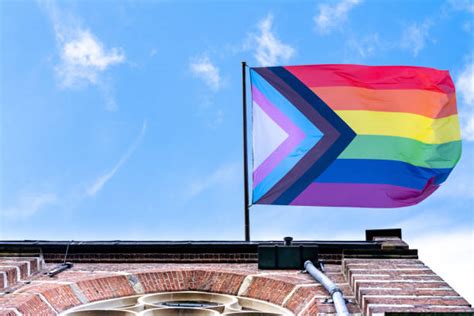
column 123, row 120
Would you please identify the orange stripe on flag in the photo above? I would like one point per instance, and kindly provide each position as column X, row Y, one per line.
column 422, row 102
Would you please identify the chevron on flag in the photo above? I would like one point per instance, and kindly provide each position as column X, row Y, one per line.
column 352, row 135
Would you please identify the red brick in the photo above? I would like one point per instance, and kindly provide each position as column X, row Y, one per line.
column 29, row 305
column 303, row 296
column 11, row 273
column 105, row 287
column 321, row 306
column 269, row 289
column 7, row 312
column 60, row 296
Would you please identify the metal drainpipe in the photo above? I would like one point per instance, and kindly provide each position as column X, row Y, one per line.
column 333, row 289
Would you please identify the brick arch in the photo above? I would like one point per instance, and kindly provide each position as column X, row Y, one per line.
column 45, row 296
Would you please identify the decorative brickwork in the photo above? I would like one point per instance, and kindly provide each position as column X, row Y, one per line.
column 400, row 285
column 15, row 269
column 160, row 257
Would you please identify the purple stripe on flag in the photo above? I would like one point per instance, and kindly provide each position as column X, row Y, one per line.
column 295, row 136
column 362, row 195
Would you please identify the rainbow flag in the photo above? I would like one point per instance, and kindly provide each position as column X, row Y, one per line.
column 352, row 135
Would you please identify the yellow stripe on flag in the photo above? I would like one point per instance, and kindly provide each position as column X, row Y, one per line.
column 421, row 128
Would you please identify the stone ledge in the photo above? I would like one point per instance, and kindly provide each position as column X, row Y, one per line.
column 13, row 270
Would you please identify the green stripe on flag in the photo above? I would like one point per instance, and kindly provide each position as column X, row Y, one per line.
column 403, row 149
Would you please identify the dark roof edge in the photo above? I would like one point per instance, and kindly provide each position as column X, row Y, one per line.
column 382, row 245
column 116, row 246
column 176, row 242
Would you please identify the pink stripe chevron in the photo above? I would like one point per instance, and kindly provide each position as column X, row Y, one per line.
column 295, row 136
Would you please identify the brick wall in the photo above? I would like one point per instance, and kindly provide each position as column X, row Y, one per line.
column 372, row 286
column 86, row 283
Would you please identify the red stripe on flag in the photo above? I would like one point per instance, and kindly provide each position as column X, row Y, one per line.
column 374, row 77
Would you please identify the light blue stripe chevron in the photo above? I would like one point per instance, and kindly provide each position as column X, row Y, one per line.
column 313, row 135
column 284, row 105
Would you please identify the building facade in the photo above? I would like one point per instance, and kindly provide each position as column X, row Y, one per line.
column 378, row 276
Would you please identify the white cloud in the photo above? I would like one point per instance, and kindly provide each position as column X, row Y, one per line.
column 414, row 37
column 269, row 49
column 102, row 180
column 203, row 68
column 224, row 174
column 83, row 57
column 468, row 127
column 451, row 255
column 332, row 15
column 29, row 204
column 465, row 84
column 464, row 5
column 465, row 90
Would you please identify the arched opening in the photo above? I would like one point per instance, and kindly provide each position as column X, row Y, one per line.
column 178, row 303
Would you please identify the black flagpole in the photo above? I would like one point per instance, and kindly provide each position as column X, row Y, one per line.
column 246, row 177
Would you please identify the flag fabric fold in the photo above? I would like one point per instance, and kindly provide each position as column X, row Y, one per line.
column 352, row 135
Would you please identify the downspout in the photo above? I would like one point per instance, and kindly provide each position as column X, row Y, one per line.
column 63, row 266
column 333, row 289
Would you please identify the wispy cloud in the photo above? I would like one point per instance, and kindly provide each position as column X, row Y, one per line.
column 217, row 120
column 463, row 5
column 468, row 127
column 454, row 264
column 224, row 174
column 361, row 48
column 269, row 49
column 333, row 14
column 468, row 27
column 429, row 231
column 203, row 68
column 459, row 186
column 83, row 57
column 415, row 36
column 465, row 89
column 30, row 204
column 102, row 180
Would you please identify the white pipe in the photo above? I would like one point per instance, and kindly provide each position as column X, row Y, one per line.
column 333, row 289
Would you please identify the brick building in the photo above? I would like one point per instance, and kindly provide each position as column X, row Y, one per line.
column 378, row 276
